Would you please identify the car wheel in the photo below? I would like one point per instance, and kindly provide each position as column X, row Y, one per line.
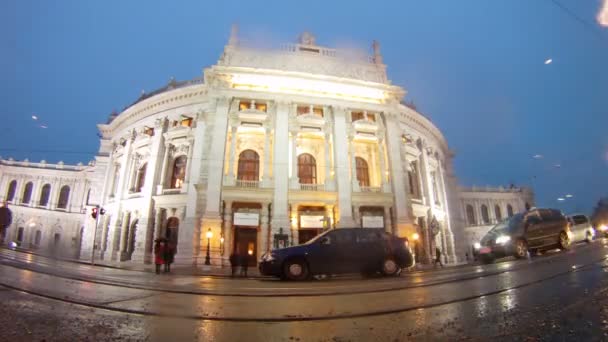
column 588, row 238
column 521, row 249
column 564, row 241
column 390, row 267
column 295, row 269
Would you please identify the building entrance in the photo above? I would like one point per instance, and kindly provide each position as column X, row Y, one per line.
column 245, row 243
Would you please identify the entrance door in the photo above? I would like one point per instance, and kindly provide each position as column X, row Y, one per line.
column 307, row 234
column 245, row 243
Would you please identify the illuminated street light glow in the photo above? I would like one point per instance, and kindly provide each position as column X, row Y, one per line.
column 548, row 61
column 415, row 236
column 293, row 85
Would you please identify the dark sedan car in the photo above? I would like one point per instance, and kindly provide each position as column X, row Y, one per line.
column 344, row 250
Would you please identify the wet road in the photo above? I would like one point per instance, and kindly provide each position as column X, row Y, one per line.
column 561, row 296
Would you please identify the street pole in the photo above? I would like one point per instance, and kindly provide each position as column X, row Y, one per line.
column 95, row 237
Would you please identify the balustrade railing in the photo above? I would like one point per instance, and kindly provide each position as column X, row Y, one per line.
column 312, row 187
column 247, row 183
column 371, row 189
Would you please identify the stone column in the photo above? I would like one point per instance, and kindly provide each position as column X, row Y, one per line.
column 211, row 217
column 357, row 216
column 426, row 175
column 266, row 175
column 232, row 147
column 158, row 223
column 383, row 173
column 124, row 235
column 114, row 233
column 341, row 158
column 124, row 169
column 388, row 222
column 329, row 182
column 163, row 169
column 402, row 202
column 228, row 230
column 294, row 180
column 263, row 243
column 280, row 168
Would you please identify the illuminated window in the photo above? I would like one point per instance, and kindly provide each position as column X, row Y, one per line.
column 44, row 195
column 186, row 122
column 27, row 193
column 303, row 110
column 244, row 105
column 362, row 171
column 249, row 166
column 485, row 215
column 371, row 117
column 64, row 195
column 317, row 111
column 12, row 188
column 149, row 131
column 471, row 215
column 307, row 169
column 261, row 107
column 357, row 116
column 179, row 172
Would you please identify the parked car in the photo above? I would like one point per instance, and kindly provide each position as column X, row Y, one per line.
column 343, row 250
column 581, row 228
column 530, row 231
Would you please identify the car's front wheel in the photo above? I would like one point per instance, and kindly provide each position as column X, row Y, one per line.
column 521, row 249
column 564, row 241
column 295, row 269
column 390, row 267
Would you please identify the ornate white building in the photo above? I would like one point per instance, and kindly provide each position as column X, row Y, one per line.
column 295, row 140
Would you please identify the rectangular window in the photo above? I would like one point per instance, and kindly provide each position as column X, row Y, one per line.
column 317, row 111
column 371, row 117
column 261, row 107
column 149, row 131
column 186, row 122
column 357, row 116
column 303, row 110
column 244, row 105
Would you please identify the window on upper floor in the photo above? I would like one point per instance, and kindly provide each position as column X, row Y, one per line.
column 45, row 193
column 307, row 169
column 362, row 171
column 64, row 196
column 357, row 116
column 371, row 117
column 249, row 166
column 186, row 121
column 244, row 105
column 178, row 175
column 27, row 193
column 414, row 180
column 140, row 178
column 12, row 188
column 471, row 215
column 262, row 107
column 318, row 111
column 149, row 131
column 301, row 110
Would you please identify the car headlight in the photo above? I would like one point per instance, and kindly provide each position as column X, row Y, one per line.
column 603, row 227
column 477, row 245
column 268, row 257
column 501, row 240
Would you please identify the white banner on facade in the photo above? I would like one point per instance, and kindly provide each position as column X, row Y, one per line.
column 373, row 221
column 310, row 221
column 246, row 219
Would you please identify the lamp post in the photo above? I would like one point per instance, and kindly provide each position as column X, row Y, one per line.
column 208, row 257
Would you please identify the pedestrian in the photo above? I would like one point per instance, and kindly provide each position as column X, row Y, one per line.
column 438, row 257
column 234, row 262
column 244, row 264
column 168, row 255
column 159, row 253
column 466, row 256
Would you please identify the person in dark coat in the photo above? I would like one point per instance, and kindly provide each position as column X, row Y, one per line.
column 159, row 254
column 438, row 257
column 234, row 262
column 168, row 256
column 244, row 264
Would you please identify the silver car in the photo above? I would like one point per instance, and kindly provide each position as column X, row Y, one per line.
column 581, row 228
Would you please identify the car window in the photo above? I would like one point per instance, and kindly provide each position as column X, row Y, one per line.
column 342, row 236
column 532, row 219
column 366, row 236
column 579, row 219
column 547, row 215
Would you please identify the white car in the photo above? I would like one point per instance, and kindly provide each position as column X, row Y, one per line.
column 581, row 228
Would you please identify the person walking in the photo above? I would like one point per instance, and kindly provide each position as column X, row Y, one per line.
column 169, row 253
column 159, row 253
column 234, row 262
column 244, row 265
column 438, row 257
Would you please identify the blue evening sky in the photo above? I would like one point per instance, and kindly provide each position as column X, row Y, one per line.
column 475, row 67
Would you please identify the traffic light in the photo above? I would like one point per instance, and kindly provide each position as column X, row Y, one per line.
column 94, row 212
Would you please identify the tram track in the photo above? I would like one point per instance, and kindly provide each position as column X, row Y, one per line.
column 295, row 318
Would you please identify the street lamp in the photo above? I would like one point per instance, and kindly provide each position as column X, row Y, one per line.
column 208, row 257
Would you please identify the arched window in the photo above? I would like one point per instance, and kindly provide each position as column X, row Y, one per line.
column 56, row 239
column 141, row 178
column 27, row 193
column 509, row 210
column 64, row 195
column 471, row 215
column 307, row 169
column 249, row 166
column 37, row 238
column 12, row 187
column 497, row 213
column 485, row 215
column 362, row 171
column 179, row 172
column 45, row 193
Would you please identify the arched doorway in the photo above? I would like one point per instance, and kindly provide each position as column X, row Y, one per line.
column 172, row 231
